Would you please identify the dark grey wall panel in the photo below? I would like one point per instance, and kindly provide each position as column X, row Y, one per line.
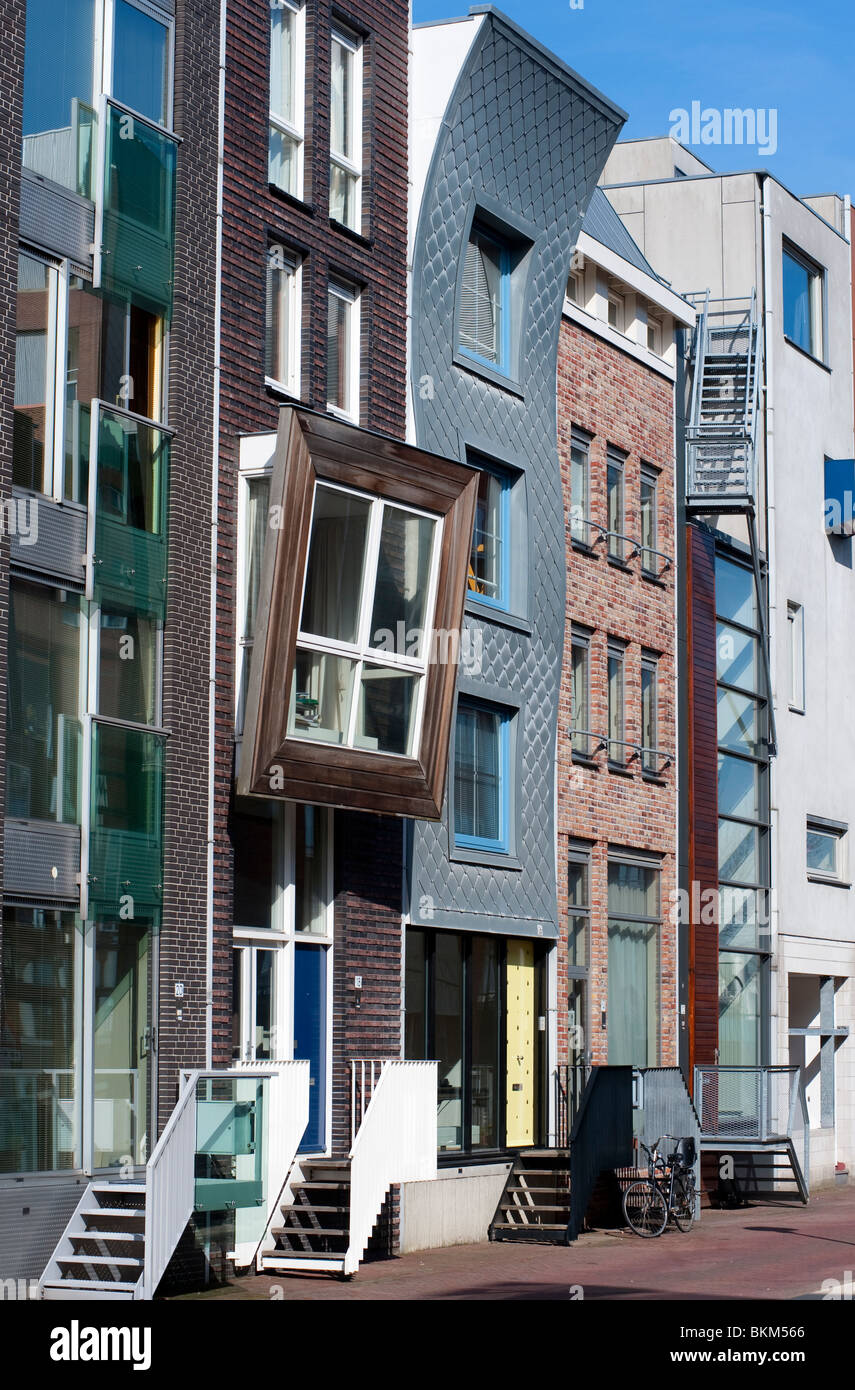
column 525, row 140
column 55, row 219
column 33, row 849
column 50, row 538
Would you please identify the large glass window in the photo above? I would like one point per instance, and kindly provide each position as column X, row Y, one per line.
column 743, row 868
column 40, row 1057
column 365, row 629
column 43, row 729
column 481, row 811
column 485, row 300
column 141, row 59
column 33, row 431
column 803, row 306
column 633, row 970
column 60, row 91
column 346, row 129
column 287, row 64
column 458, row 1010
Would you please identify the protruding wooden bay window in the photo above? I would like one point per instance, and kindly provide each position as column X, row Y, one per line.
column 358, row 624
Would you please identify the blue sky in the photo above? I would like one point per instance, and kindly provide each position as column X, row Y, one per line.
column 655, row 56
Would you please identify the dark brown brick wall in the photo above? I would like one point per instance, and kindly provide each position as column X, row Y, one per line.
column 187, row 632
column 11, row 98
column 619, row 401
column 255, row 215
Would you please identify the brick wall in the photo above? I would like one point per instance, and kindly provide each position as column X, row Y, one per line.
column 254, row 216
column 618, row 401
column 11, row 99
column 187, row 632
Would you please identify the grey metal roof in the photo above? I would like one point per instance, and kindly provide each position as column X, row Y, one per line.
column 603, row 224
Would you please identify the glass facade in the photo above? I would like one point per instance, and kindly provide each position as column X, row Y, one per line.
column 43, row 728
column 743, row 830
column 457, row 1011
column 138, row 212
column 40, row 1043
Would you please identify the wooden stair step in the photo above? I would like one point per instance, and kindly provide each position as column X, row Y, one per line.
column 320, row 1186
column 535, row 1207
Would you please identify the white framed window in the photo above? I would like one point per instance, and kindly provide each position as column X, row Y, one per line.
column 282, row 319
column 574, row 287
column 826, row 850
column 617, row 311
column 363, row 645
column 796, row 633
column 253, row 512
column 346, row 129
column 287, row 96
column 343, row 350
column 655, row 332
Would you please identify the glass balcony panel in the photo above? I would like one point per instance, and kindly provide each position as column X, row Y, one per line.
column 31, row 436
column 138, row 232
column 126, row 837
column 131, row 511
column 229, row 1164
column 129, row 651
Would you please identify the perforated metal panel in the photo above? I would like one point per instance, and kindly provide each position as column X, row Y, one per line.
column 50, row 539
column 33, row 1216
column 41, row 861
column 55, row 219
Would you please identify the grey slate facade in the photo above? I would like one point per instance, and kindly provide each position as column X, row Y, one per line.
column 523, row 142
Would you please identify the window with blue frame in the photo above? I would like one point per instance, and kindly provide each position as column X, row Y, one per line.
column 489, row 562
column 481, row 777
column 484, row 318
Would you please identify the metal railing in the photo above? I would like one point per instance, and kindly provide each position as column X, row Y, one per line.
column 721, row 452
column 569, row 1081
column 762, row 1103
column 603, row 743
column 585, row 524
column 364, row 1075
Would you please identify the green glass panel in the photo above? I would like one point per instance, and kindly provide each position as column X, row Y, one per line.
column 138, row 235
column 131, row 512
column 229, row 1167
column 126, row 837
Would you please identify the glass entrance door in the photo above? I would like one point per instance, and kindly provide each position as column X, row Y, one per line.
column 122, row 1042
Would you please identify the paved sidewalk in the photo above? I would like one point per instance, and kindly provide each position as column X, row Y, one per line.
column 781, row 1252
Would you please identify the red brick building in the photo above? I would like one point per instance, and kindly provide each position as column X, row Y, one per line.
column 617, row 770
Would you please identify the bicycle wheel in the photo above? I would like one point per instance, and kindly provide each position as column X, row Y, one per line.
column 683, row 1209
column 644, row 1209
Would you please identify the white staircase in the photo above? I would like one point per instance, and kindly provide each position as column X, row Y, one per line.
column 329, row 1207
column 101, row 1254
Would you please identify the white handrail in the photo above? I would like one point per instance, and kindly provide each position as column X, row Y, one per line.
column 170, row 1185
column 284, row 1125
column 396, row 1142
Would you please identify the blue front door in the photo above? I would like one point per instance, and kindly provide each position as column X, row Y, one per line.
column 310, row 1035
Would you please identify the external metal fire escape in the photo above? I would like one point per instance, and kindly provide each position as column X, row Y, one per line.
column 721, row 438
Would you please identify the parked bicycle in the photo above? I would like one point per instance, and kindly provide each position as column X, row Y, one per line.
column 667, row 1191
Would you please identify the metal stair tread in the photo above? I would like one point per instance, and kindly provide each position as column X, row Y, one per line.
column 130, row 1260
column 271, row 1256
column 115, row 1187
column 120, row 1236
column 91, row 1285
column 110, row 1212
column 308, row 1231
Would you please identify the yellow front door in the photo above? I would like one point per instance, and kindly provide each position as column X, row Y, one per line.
column 520, row 1053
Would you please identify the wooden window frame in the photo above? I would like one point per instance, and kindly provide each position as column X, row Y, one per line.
column 319, row 448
